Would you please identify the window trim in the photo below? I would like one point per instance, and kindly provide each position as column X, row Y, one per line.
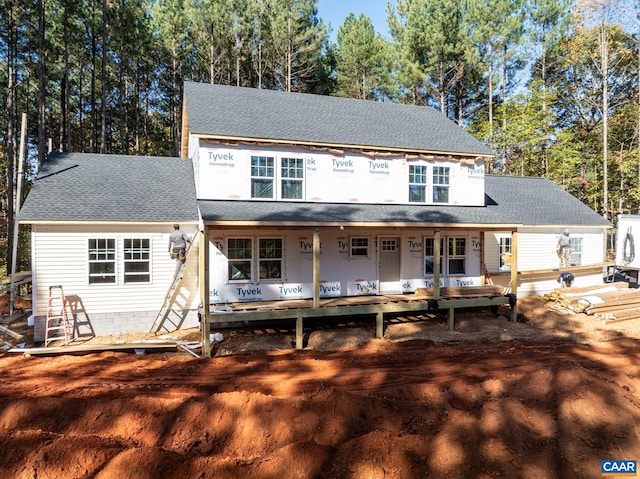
column 260, row 260
column 230, row 260
column 366, row 248
column 107, row 249
column 425, row 241
column 503, row 250
column 254, row 260
column 263, row 178
column 438, row 174
column 456, row 257
column 293, row 179
column 140, row 250
column 576, row 253
column 418, row 184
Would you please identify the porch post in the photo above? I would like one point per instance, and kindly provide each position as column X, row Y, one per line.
column 204, row 293
column 514, row 272
column 316, row 268
column 436, row 265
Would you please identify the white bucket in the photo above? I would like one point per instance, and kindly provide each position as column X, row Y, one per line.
column 31, row 320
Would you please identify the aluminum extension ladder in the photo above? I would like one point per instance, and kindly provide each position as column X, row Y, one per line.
column 58, row 326
column 170, row 297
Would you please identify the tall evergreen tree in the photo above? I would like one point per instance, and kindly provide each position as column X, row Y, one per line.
column 363, row 66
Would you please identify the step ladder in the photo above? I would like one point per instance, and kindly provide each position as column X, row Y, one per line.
column 58, row 326
column 170, row 297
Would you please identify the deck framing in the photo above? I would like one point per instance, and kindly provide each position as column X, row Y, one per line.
column 299, row 310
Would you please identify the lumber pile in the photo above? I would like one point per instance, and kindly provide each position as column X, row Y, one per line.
column 608, row 303
column 463, row 291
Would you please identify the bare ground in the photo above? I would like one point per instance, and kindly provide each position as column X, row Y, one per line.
column 547, row 397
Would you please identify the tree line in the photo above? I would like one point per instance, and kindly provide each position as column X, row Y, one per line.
column 550, row 85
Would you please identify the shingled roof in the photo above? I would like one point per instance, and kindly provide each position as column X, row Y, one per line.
column 230, row 112
column 509, row 202
column 112, row 188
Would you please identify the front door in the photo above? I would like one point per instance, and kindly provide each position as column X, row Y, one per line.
column 389, row 265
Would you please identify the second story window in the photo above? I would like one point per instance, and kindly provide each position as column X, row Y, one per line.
column 441, row 184
column 262, row 176
column 292, row 174
column 417, row 183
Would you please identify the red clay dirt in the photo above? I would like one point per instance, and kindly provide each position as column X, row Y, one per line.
column 549, row 397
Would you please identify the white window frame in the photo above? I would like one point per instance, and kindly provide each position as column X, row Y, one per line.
column 453, row 253
column 441, row 176
column 292, row 174
column 418, row 179
column 102, row 252
column 359, row 247
column 263, row 172
column 239, row 260
column 428, row 243
column 136, row 254
column 577, row 245
column 254, row 259
column 279, row 258
column 504, row 251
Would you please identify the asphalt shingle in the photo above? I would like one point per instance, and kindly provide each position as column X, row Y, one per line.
column 238, row 112
column 508, row 201
column 96, row 187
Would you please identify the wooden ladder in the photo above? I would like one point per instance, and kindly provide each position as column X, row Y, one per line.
column 58, row 327
column 169, row 298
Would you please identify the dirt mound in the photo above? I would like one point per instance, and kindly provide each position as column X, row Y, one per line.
column 546, row 398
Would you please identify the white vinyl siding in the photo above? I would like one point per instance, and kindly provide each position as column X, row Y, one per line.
column 537, row 248
column 61, row 258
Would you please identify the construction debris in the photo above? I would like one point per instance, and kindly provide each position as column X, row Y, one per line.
column 612, row 302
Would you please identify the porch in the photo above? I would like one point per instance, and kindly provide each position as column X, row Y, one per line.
column 425, row 299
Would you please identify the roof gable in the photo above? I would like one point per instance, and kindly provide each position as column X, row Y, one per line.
column 266, row 115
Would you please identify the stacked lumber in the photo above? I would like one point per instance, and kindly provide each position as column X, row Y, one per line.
column 463, row 291
column 614, row 302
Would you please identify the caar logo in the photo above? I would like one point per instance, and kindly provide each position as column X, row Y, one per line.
column 621, row 467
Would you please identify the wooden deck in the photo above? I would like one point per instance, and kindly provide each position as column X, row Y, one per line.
column 423, row 300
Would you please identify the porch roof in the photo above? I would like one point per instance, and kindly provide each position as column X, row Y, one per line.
column 509, row 202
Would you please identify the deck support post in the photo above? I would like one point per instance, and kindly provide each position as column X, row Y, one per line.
column 299, row 332
column 451, row 319
column 316, row 268
column 436, row 265
column 379, row 325
column 204, row 293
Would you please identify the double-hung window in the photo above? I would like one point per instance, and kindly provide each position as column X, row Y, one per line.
column 441, row 184
column 429, row 255
column 417, row 183
column 262, row 177
column 457, row 255
column 292, row 176
column 504, row 253
column 576, row 251
column 102, row 260
column 137, row 260
column 270, row 258
column 239, row 255
column 359, row 247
